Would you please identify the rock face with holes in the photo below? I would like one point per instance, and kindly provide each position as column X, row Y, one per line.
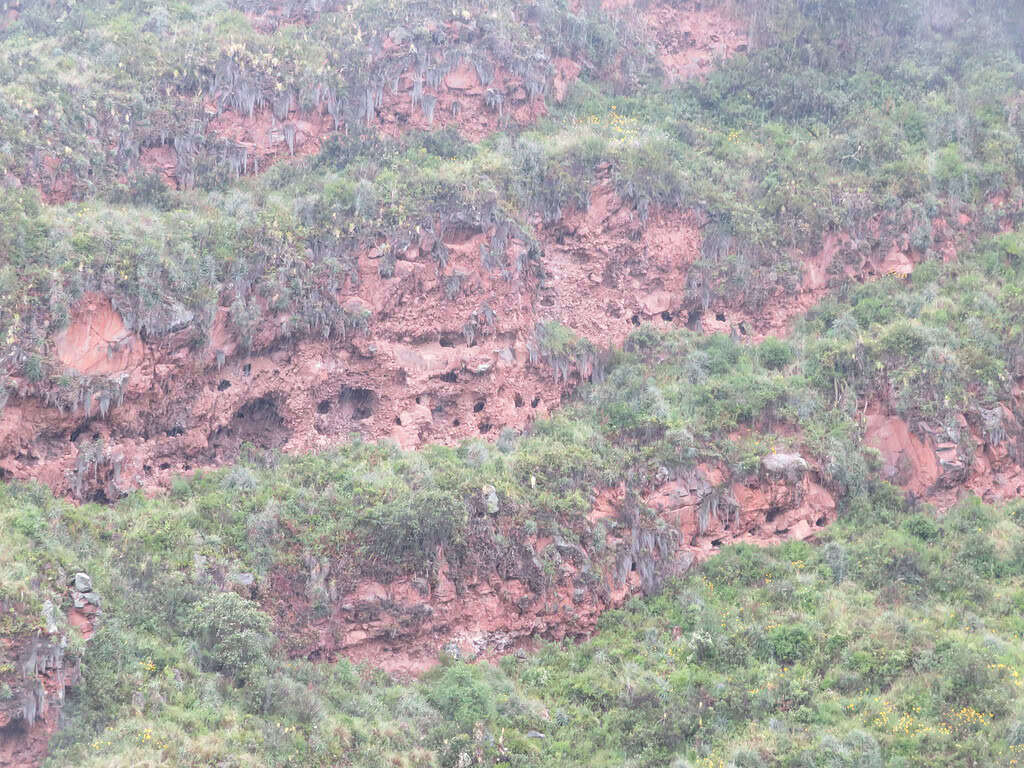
column 512, row 587
column 449, row 350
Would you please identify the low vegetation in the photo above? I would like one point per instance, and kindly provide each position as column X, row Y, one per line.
column 893, row 640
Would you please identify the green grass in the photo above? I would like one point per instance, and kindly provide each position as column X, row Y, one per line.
column 895, row 641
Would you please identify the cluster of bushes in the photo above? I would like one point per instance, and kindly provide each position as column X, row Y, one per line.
column 948, row 342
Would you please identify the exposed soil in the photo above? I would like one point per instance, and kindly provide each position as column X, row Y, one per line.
column 506, row 597
column 43, row 673
column 982, row 454
column 446, row 354
column 460, row 101
column 692, row 39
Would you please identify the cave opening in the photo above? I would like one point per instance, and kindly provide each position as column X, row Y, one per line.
column 357, row 403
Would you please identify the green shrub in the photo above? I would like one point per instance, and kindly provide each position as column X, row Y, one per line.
column 922, row 527
column 789, row 644
column 233, row 636
column 775, row 354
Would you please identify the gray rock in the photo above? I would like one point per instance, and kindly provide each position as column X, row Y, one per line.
column 48, row 617
column 491, row 499
column 174, row 316
column 451, row 648
column 535, row 735
column 243, row 579
column 788, row 464
column 82, row 582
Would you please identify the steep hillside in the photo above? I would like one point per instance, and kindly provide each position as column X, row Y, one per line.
column 357, row 358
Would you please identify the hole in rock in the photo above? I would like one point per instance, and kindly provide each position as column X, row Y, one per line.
column 773, row 513
column 820, row 521
column 451, row 377
column 744, row 328
column 147, row 468
column 398, row 420
column 716, row 542
column 479, row 406
column 99, row 496
column 635, row 319
column 77, row 433
column 458, row 234
column 720, row 317
column 547, row 301
column 485, row 427
column 247, row 369
column 224, row 384
column 693, row 319
column 449, row 339
column 358, row 403
column 324, row 406
column 400, row 377
column 165, row 466
column 456, row 423
column 419, row 399
column 666, row 316
column 536, row 402
column 256, row 422
column 175, row 431
column 518, row 399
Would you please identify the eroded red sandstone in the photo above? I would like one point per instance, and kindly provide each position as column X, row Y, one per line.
column 508, row 595
column 31, row 715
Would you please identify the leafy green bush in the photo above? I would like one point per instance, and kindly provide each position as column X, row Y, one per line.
column 233, row 635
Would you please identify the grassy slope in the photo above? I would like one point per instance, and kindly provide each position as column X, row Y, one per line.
column 900, row 627
column 897, row 643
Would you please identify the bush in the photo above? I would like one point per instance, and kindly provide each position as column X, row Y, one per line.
column 461, row 694
column 775, row 354
column 789, row 643
column 922, row 527
column 233, row 636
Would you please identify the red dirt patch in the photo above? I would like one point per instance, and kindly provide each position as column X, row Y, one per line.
column 480, row 611
column 96, row 341
column 929, row 464
column 690, row 38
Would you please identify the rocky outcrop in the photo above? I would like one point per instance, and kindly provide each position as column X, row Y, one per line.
column 441, row 349
column 442, row 346
column 516, row 587
column 36, row 671
column 980, row 453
